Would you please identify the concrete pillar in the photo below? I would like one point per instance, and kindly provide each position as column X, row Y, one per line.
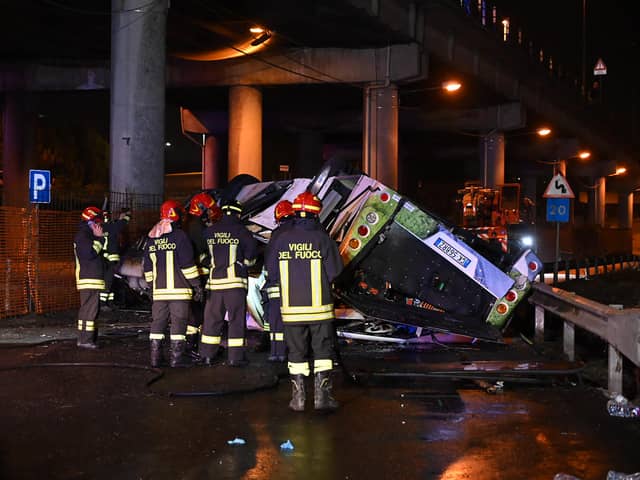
column 18, row 137
column 493, row 159
column 245, row 131
column 310, row 146
column 600, row 201
column 210, row 163
column 625, row 210
column 138, row 37
column 380, row 134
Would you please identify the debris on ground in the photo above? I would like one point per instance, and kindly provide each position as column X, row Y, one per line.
column 619, row 406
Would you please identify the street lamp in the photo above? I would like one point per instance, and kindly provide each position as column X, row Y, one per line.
column 449, row 86
column 543, row 131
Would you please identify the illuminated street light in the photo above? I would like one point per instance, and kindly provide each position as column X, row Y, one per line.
column 543, row 131
column 451, row 86
column 584, row 154
column 505, row 29
column 619, row 171
column 256, row 29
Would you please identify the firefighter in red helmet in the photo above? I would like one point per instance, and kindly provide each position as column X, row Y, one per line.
column 305, row 260
column 203, row 211
column 232, row 251
column 170, row 268
column 87, row 247
column 112, row 229
column 283, row 214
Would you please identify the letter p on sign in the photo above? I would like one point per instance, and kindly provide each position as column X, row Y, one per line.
column 39, row 186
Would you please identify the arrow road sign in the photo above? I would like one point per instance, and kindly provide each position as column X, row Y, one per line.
column 558, row 188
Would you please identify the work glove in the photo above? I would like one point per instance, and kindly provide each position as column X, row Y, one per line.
column 198, row 293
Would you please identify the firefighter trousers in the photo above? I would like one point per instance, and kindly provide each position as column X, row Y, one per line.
column 87, row 315
column 109, row 272
column 320, row 337
column 276, row 327
column 196, row 317
column 234, row 302
column 165, row 312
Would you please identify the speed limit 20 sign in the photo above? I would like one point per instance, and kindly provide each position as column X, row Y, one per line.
column 558, row 209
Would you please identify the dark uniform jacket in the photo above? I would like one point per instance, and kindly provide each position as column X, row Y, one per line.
column 304, row 260
column 89, row 265
column 112, row 231
column 271, row 285
column 195, row 230
column 232, row 249
column 168, row 263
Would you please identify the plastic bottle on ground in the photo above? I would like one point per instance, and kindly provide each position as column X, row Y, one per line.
column 622, row 476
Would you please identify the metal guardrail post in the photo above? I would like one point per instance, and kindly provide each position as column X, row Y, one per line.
column 615, row 370
column 569, row 340
column 539, row 328
column 620, row 329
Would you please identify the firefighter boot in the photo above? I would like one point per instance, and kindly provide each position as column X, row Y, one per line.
column 322, row 398
column 192, row 346
column 298, row 394
column 178, row 358
column 156, row 353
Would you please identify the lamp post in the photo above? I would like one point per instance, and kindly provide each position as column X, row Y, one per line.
column 449, row 86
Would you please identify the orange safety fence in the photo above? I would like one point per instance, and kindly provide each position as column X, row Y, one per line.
column 13, row 259
column 51, row 261
column 36, row 254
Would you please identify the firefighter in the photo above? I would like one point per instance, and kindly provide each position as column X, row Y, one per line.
column 111, row 251
column 203, row 211
column 87, row 247
column 305, row 260
column 284, row 215
column 170, row 269
column 232, row 250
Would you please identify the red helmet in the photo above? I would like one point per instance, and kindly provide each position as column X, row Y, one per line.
column 283, row 209
column 92, row 214
column 307, row 202
column 215, row 213
column 171, row 210
column 201, row 202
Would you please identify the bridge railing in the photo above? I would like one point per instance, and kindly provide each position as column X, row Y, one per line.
column 501, row 24
column 585, row 268
column 619, row 328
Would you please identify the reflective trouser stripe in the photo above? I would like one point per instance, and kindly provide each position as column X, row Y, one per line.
column 191, row 330
column 301, row 368
column 236, row 342
column 266, row 327
column 156, row 336
column 87, row 325
column 177, row 337
column 210, row 340
column 277, row 336
column 104, row 296
column 322, row 365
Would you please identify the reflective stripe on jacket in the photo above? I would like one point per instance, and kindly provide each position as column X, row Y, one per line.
column 304, row 260
column 169, row 266
column 232, row 249
column 87, row 249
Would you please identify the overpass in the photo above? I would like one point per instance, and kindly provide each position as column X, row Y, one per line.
column 374, row 49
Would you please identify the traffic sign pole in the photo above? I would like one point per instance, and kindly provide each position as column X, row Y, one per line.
column 558, row 195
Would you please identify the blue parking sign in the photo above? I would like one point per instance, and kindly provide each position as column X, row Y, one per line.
column 39, row 186
column 558, row 209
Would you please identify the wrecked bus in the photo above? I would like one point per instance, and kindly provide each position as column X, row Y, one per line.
column 408, row 274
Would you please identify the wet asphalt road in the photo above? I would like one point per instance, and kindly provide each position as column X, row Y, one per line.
column 105, row 422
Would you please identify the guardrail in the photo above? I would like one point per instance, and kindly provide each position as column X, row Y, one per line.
column 574, row 269
column 619, row 328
